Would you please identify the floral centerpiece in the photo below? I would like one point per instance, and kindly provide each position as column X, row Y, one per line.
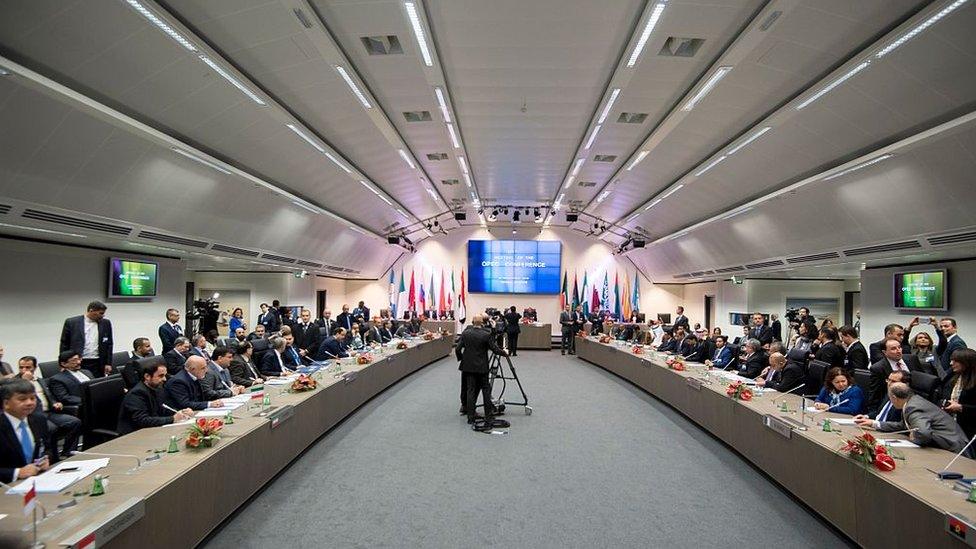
column 428, row 336
column 675, row 363
column 401, row 345
column 364, row 358
column 864, row 449
column 303, row 383
column 204, row 433
column 526, row 320
column 739, row 391
column 637, row 350
column 604, row 339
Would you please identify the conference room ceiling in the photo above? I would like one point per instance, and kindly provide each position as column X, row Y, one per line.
column 525, row 84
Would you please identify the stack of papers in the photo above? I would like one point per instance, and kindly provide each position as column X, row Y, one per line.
column 897, row 443
column 60, row 476
column 279, row 381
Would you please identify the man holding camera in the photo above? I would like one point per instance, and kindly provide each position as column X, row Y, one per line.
column 472, row 350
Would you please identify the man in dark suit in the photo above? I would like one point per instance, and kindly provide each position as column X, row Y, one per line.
column 290, row 356
column 780, row 375
column 141, row 348
column 170, row 330
column 60, row 423
column 856, row 357
column 273, row 362
column 886, row 411
column 326, row 321
column 345, row 318
column 930, row 425
column 566, row 330
column 829, row 351
column 891, row 331
column 90, row 335
column 680, row 319
column 949, row 342
column 183, row 390
column 512, row 329
column 260, row 332
column 306, row 334
column 472, row 351
column 268, row 319
column 331, row 347
column 759, row 330
column 65, row 386
column 692, row 349
column 754, row 361
column 374, row 334
column 361, row 313
column 891, row 361
column 176, row 357
column 722, row 357
column 216, row 382
column 776, row 327
column 25, row 444
column 142, row 406
column 243, row 371
column 596, row 321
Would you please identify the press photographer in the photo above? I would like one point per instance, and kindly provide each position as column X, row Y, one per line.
column 472, row 351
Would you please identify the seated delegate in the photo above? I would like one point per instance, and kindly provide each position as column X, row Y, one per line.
column 839, row 394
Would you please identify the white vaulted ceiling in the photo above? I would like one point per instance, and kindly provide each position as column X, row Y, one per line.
column 97, row 97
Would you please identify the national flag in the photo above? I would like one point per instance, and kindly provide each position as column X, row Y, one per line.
column 461, row 315
column 450, row 295
column 605, row 298
column 616, row 293
column 635, row 299
column 392, row 299
column 401, row 294
column 440, row 299
column 564, row 294
column 412, row 297
column 423, row 296
column 595, row 300
column 586, row 302
column 30, row 499
column 87, row 542
column 625, row 293
column 576, row 299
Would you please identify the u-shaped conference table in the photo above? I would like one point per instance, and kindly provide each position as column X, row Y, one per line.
column 178, row 499
column 906, row 507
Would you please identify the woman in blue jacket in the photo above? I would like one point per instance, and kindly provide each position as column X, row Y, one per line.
column 839, row 387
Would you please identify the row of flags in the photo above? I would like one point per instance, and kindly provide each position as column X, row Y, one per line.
column 622, row 299
column 418, row 297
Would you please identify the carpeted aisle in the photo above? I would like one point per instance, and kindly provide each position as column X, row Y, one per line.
column 598, row 464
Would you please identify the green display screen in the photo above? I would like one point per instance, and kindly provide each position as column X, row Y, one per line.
column 130, row 278
column 921, row 290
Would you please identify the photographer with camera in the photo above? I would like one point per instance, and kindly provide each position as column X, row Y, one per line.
column 472, row 351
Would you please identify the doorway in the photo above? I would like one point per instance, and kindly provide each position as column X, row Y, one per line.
column 709, row 312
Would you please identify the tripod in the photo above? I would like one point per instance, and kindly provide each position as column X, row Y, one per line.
column 496, row 371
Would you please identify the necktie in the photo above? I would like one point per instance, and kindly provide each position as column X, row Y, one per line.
column 179, row 329
column 901, row 366
column 26, row 446
column 769, row 376
column 294, row 354
column 884, row 411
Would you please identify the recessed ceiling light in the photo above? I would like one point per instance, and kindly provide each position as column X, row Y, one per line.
column 304, row 206
column 467, row 179
column 336, row 161
column 859, row 166
column 672, row 191
column 406, row 158
column 602, row 196
column 711, row 165
column 751, row 138
column 442, row 103
column 652, row 204
column 234, row 81
column 352, row 86
column 589, row 142
column 578, row 165
column 454, row 139
column 569, row 181
column 709, row 84
column 919, row 28
column 646, row 33
column 203, row 161
column 162, row 25
column 418, row 32
column 638, row 160
column 298, row 131
column 606, row 109
column 833, row 85
column 463, row 164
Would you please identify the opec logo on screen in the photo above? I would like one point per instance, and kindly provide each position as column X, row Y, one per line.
column 514, row 266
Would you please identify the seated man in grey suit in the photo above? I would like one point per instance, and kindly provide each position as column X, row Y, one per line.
column 930, row 425
column 217, row 383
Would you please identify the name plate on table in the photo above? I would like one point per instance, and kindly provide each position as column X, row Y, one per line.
column 97, row 535
column 350, row 376
column 694, row 383
column 778, row 426
column 281, row 415
column 961, row 529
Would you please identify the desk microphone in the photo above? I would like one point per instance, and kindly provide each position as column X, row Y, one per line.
column 945, row 474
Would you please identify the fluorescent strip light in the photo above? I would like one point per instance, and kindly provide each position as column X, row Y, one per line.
column 652, row 204
column 859, row 166
column 579, row 164
column 358, row 230
column 569, row 181
column 709, row 84
column 230, row 78
column 467, row 179
column 711, row 165
column 474, row 198
column 740, row 212
column 365, row 184
column 406, row 158
column 203, row 161
column 305, row 136
column 482, row 218
column 46, row 231
column 603, row 196
column 336, row 162
column 399, row 211
column 672, row 191
column 443, row 103
column 589, row 142
column 163, row 26
column 300, row 205
column 751, row 138
column 918, row 29
column 463, row 164
column 384, row 199
column 418, row 32
column 633, row 217
column 833, row 85
column 454, row 139
column 606, row 109
column 352, row 86
column 640, row 157
column 560, row 199
column 645, row 34
column 432, row 194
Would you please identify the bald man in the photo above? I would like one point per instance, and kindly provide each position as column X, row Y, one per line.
column 183, row 390
column 781, row 375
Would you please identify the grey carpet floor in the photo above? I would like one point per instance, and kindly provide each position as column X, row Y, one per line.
column 598, row 464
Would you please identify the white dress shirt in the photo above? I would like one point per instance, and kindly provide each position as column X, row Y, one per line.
column 91, row 339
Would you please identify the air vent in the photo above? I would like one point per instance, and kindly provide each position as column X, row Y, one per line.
column 709, row 272
column 280, row 258
column 58, row 219
column 333, row 268
column 632, row 118
column 4, row 208
column 676, row 46
column 814, row 257
column 417, row 116
column 696, row 274
column 382, row 45
column 313, row 264
column 449, row 182
column 770, row 20
column 764, row 264
column 952, row 239
column 906, row 245
column 686, row 275
column 437, row 156
column 302, row 18
column 159, row 237
column 576, row 204
column 587, row 183
column 233, row 250
column 604, row 158
column 730, row 270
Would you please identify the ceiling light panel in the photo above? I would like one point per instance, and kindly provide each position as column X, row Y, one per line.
column 918, row 29
column 418, row 32
column 609, row 105
column 352, row 86
column 710, row 84
column 646, row 33
column 162, row 25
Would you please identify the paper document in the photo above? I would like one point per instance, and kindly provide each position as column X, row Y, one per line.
column 279, row 381
column 179, row 423
column 53, row 480
column 843, row 421
column 897, row 443
column 213, row 412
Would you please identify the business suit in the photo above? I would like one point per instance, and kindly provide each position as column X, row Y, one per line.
column 361, row 314
column 876, row 349
column 11, row 452
column 291, row 358
column 753, row 365
column 306, row 337
column 596, row 323
column 271, row 363
column 174, row 362
column 856, row 357
column 59, row 424
column 345, row 320
column 328, row 324
column 566, row 331
column 721, row 358
column 375, row 335
column 73, row 337
column 832, row 354
column 141, row 408
column 933, row 427
column 183, row 391
column 887, row 412
column 880, row 370
column 472, row 352
column 512, row 331
column 269, row 320
column 66, row 388
column 777, row 328
column 168, row 334
column 944, row 351
column 670, row 346
column 762, row 333
column 681, row 320
column 244, row 372
column 212, row 384
column 693, row 353
column 131, row 372
column 785, row 380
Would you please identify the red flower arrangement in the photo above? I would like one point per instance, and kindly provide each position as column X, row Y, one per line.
column 604, row 339
column 739, row 391
column 526, row 320
column 364, row 358
column 637, row 350
column 303, row 383
column 864, row 449
column 675, row 363
column 203, row 433
column 428, row 336
column 402, row 345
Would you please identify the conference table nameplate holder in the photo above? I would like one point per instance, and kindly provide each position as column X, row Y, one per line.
column 279, row 415
column 961, row 528
column 779, row 426
column 123, row 516
column 693, row 383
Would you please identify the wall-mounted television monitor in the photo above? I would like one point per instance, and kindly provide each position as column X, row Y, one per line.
column 514, row 266
column 132, row 278
column 922, row 290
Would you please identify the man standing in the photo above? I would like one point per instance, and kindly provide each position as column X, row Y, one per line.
column 892, row 361
column 566, row 331
column 680, row 320
column 327, row 322
column 142, row 406
column 361, row 313
column 856, row 357
column 90, row 335
column 170, row 330
column 596, row 321
column 306, row 334
column 949, row 342
column 472, row 351
column 268, row 319
column 776, row 327
column 345, row 318
column 759, row 330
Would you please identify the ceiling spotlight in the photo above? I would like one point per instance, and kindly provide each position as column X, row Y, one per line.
column 516, row 217
column 493, row 215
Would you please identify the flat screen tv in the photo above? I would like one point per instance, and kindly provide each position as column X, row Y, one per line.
column 514, row 266
column 922, row 290
column 132, row 278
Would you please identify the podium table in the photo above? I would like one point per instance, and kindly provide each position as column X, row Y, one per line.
column 535, row 337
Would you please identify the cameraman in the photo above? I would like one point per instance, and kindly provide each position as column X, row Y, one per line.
column 472, row 350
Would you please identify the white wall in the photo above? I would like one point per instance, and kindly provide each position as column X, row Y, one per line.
column 877, row 300
column 42, row 284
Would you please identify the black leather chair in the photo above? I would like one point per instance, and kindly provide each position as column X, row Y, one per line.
column 132, row 372
column 323, row 332
column 49, row 369
column 120, row 359
column 101, row 401
column 816, row 371
column 260, row 347
column 862, row 378
column 926, row 385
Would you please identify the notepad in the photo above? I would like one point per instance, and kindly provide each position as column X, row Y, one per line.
column 53, row 480
column 897, row 443
column 843, row 420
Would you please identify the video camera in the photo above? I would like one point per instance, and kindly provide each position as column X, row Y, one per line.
column 793, row 316
column 206, row 312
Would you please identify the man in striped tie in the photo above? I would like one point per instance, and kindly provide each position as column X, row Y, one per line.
column 24, row 438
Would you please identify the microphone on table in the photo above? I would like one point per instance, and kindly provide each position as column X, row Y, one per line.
column 945, row 474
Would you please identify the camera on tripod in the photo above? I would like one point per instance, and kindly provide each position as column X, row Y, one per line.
column 793, row 316
column 205, row 313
